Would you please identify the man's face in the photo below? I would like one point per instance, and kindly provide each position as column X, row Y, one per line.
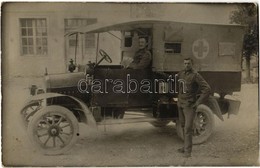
column 142, row 43
column 187, row 65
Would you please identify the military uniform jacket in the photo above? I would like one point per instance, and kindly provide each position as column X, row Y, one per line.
column 192, row 85
column 142, row 59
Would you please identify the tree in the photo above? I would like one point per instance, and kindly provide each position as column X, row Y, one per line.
column 246, row 14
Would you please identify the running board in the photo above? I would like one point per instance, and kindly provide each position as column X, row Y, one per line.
column 126, row 121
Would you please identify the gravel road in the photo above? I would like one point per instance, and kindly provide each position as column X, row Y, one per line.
column 234, row 141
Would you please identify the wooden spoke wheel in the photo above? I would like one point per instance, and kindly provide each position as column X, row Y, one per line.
column 53, row 130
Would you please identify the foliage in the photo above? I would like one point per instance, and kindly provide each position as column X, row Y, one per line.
column 247, row 15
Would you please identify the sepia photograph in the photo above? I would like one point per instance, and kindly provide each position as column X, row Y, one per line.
column 127, row 84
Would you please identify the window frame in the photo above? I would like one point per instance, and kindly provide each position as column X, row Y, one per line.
column 34, row 36
column 84, row 36
column 172, row 42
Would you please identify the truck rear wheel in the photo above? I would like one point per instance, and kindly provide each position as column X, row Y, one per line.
column 203, row 125
column 53, row 130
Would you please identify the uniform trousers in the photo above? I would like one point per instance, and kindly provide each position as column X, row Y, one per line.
column 186, row 117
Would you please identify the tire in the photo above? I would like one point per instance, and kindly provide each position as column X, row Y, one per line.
column 119, row 113
column 29, row 110
column 160, row 123
column 203, row 125
column 53, row 130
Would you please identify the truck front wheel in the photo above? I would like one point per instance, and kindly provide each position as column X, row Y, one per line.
column 53, row 130
column 203, row 125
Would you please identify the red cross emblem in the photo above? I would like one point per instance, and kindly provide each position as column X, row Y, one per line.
column 200, row 48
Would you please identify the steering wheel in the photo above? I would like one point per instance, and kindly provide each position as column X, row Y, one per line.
column 104, row 56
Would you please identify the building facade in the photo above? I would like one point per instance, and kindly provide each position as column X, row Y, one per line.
column 34, row 34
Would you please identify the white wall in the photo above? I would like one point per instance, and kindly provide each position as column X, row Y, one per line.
column 55, row 13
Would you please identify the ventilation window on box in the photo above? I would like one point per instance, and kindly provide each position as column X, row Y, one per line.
column 174, row 48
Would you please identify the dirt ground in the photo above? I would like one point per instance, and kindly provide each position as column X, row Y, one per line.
column 234, row 141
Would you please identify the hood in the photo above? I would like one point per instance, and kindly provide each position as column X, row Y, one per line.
column 64, row 80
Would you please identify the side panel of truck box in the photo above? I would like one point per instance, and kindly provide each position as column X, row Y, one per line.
column 215, row 49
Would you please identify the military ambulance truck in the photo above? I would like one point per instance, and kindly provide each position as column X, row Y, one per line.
column 105, row 94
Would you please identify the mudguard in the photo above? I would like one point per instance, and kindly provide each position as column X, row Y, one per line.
column 90, row 119
column 213, row 105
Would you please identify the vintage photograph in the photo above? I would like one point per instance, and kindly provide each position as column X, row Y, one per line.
column 117, row 84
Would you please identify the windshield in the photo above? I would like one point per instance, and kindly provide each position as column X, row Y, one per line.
column 84, row 47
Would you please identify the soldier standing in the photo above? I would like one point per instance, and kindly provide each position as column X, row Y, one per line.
column 188, row 100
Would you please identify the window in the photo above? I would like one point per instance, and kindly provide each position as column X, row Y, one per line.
column 128, row 39
column 34, row 36
column 174, row 48
column 89, row 39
